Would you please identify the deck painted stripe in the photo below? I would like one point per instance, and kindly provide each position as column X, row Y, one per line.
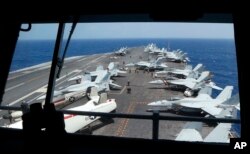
column 95, row 60
column 20, row 84
column 81, row 59
column 119, row 93
column 39, row 90
column 13, row 77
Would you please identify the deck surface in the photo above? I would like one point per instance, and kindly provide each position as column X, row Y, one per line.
column 27, row 85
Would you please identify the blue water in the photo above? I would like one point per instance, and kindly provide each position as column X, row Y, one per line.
column 218, row 55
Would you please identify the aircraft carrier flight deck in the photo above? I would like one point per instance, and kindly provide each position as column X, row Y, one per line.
column 28, row 84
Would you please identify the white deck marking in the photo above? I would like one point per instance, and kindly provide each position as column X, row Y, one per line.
column 81, row 59
column 95, row 60
column 28, row 71
column 20, row 84
column 25, row 96
column 42, row 89
column 13, row 77
column 120, row 91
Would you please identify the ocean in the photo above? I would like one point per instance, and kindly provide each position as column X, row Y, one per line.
column 217, row 55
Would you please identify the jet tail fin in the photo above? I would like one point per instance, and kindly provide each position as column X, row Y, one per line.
column 204, row 76
column 103, row 98
column 100, row 67
column 190, row 132
column 225, row 94
column 219, row 134
column 159, row 60
column 197, row 67
column 111, row 66
column 92, row 93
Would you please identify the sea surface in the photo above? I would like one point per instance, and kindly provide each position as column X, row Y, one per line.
column 218, row 55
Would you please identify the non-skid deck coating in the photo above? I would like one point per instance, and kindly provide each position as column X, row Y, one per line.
column 29, row 84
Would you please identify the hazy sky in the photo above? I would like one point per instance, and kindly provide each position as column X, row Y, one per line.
column 133, row 30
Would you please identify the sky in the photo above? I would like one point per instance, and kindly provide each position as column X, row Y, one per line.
column 133, row 30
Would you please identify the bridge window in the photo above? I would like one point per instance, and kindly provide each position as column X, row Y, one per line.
column 128, row 53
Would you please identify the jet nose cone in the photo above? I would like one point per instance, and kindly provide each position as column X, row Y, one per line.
column 154, row 103
column 161, row 103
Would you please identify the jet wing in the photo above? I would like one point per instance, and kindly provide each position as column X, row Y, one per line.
column 195, row 105
column 177, row 82
column 214, row 111
column 79, row 87
column 183, row 72
column 190, row 85
column 56, row 93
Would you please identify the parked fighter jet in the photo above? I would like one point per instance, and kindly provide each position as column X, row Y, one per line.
column 73, row 123
column 154, row 65
column 190, row 85
column 112, row 69
column 174, row 56
column 221, row 133
column 122, row 51
column 203, row 102
column 99, row 79
column 181, row 73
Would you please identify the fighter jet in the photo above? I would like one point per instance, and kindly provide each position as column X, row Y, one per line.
column 190, row 85
column 154, row 65
column 112, row 69
column 203, row 102
column 173, row 56
column 73, row 123
column 99, row 79
column 220, row 134
column 181, row 73
column 122, row 51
